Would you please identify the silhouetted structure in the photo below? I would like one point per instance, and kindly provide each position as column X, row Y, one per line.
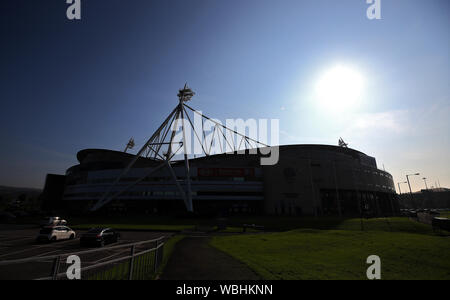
column 308, row 180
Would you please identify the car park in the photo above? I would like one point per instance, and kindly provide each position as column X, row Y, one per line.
column 434, row 212
column 50, row 221
column 55, row 233
column 412, row 213
column 99, row 237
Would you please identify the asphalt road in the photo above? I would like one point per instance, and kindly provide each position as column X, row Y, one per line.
column 19, row 242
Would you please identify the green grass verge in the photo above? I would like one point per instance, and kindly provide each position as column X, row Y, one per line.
column 399, row 224
column 237, row 230
column 339, row 254
column 327, row 223
column 169, row 247
column 408, row 250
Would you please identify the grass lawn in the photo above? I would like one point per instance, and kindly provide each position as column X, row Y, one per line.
column 169, row 246
column 282, row 223
column 237, row 230
column 399, row 224
column 407, row 250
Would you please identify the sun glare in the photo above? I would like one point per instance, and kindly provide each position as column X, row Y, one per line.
column 340, row 88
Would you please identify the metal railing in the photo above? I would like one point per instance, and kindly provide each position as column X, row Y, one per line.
column 135, row 261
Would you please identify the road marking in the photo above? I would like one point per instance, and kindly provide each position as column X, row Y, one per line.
column 108, row 257
column 53, row 251
column 71, row 251
column 16, row 239
column 36, row 247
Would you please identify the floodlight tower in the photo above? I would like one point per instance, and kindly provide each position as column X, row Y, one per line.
column 130, row 145
column 342, row 143
column 185, row 95
column 161, row 149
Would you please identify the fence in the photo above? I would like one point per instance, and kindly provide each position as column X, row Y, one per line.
column 137, row 261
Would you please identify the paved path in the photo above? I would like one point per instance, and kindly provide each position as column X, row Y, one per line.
column 194, row 259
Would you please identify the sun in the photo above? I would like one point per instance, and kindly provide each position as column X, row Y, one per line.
column 340, row 88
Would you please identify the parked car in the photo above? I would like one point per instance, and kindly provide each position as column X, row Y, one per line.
column 99, row 237
column 49, row 221
column 404, row 212
column 441, row 224
column 412, row 214
column 55, row 233
column 434, row 212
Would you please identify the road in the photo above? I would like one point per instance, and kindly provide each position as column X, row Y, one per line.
column 19, row 243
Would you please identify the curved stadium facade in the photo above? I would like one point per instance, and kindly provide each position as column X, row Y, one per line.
column 307, row 180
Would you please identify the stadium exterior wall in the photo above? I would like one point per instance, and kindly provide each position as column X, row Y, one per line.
column 308, row 180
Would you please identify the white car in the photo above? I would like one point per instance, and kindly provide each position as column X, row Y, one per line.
column 55, row 233
column 49, row 221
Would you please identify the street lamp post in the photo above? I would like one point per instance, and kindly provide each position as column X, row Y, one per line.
column 409, row 184
column 399, row 189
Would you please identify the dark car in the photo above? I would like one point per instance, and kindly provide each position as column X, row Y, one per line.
column 99, row 237
column 441, row 224
column 434, row 212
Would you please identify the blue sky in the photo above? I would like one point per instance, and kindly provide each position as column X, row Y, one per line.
column 94, row 83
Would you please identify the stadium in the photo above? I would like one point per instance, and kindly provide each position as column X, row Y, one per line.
column 307, row 180
column 314, row 180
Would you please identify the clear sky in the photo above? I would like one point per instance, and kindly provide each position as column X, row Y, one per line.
column 94, row 83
